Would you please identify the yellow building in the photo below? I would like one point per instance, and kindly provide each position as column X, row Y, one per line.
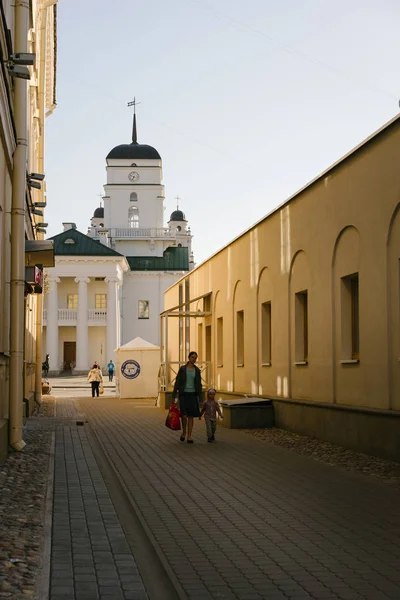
column 304, row 307
column 27, row 94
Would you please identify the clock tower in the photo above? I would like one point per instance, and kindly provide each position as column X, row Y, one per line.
column 134, row 193
column 133, row 225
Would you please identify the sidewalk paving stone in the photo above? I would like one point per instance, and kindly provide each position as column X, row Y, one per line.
column 242, row 519
column 87, row 539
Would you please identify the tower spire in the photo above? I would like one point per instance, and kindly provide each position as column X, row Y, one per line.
column 134, row 130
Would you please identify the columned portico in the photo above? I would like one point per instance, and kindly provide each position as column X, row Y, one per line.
column 52, row 323
column 112, row 317
column 82, row 346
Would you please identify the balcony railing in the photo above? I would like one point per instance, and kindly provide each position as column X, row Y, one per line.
column 68, row 316
column 97, row 316
column 144, row 233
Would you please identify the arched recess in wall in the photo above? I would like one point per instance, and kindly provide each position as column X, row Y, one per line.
column 345, row 316
column 393, row 290
column 265, row 311
column 299, row 329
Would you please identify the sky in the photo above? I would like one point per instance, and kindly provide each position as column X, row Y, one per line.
column 245, row 101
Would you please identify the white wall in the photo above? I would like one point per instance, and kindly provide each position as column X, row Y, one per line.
column 141, row 248
column 144, row 286
column 117, row 204
column 97, row 346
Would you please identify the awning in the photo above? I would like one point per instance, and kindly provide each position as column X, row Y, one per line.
column 39, row 252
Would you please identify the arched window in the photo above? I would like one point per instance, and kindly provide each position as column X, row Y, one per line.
column 133, row 197
column 133, row 217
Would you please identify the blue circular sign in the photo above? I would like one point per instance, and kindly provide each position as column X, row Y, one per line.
column 130, row 369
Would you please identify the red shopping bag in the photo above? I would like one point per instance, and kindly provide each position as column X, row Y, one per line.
column 173, row 421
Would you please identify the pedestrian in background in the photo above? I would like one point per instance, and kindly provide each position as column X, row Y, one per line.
column 95, row 378
column 210, row 409
column 110, row 368
column 188, row 390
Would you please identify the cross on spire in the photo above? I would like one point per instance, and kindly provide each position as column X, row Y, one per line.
column 134, row 131
column 177, row 198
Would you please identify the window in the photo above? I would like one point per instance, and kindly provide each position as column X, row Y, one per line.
column 143, row 311
column 133, row 217
column 350, row 326
column 240, row 338
column 133, row 197
column 72, row 301
column 200, row 340
column 207, row 303
column 100, row 301
column 220, row 342
column 266, row 333
column 301, row 327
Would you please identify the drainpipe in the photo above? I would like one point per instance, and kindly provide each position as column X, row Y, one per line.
column 40, row 236
column 18, row 237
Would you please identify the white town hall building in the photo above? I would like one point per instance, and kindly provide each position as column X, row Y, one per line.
column 107, row 285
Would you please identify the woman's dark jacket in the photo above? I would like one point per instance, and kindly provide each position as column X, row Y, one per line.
column 180, row 382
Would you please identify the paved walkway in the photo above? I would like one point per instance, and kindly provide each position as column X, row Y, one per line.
column 90, row 556
column 238, row 519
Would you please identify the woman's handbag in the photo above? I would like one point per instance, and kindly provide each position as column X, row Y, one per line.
column 101, row 389
column 173, row 421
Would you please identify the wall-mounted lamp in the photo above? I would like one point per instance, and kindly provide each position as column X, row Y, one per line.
column 42, row 225
column 40, row 230
column 16, row 64
column 40, row 204
column 37, row 176
column 23, row 58
column 37, row 212
column 18, row 71
column 34, row 184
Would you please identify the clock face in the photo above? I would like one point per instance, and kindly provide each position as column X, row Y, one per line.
column 133, row 176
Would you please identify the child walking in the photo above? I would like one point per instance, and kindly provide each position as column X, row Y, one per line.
column 209, row 410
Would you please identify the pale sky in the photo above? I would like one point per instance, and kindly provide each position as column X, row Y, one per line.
column 245, row 101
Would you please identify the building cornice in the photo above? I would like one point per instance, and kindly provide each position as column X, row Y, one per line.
column 149, row 185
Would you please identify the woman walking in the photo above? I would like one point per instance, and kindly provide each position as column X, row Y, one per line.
column 188, row 389
column 95, row 378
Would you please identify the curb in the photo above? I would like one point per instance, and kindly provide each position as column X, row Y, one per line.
column 43, row 587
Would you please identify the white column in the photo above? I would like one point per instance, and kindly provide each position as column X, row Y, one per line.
column 82, row 342
column 112, row 317
column 52, row 324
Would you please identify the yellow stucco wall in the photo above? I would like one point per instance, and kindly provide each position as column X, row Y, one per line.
column 345, row 222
